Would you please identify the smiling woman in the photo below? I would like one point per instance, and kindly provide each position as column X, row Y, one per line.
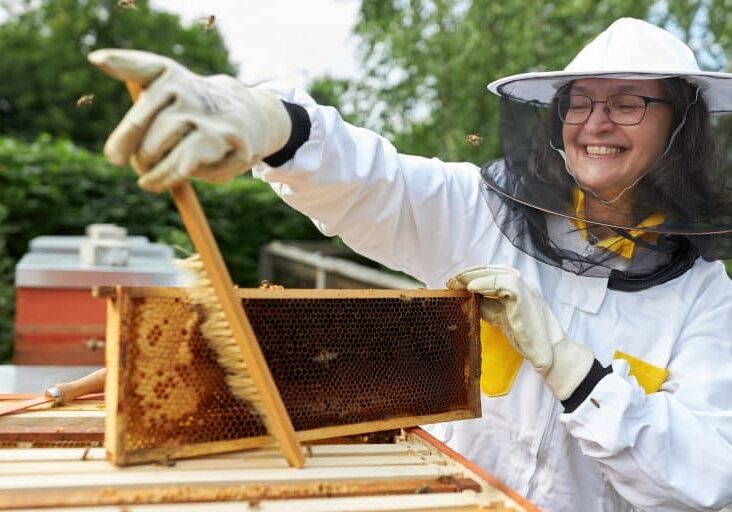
column 631, row 157
column 613, row 147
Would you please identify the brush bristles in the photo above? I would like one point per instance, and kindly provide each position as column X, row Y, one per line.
column 218, row 334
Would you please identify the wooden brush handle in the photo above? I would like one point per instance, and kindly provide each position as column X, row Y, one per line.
column 203, row 240
column 200, row 233
column 92, row 383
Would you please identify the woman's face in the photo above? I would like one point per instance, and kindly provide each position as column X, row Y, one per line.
column 606, row 158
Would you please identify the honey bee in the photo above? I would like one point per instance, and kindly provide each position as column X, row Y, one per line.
column 474, row 139
column 324, row 357
column 266, row 285
column 126, row 4
column 209, row 23
column 85, row 100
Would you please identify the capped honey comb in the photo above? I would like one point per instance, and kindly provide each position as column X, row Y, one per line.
column 344, row 361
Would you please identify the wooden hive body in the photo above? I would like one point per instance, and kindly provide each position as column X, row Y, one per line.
column 412, row 472
column 345, row 362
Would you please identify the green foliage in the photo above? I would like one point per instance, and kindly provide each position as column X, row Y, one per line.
column 45, row 43
column 53, row 187
column 427, row 63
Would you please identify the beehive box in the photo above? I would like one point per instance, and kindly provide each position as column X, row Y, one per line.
column 57, row 321
column 79, row 423
column 411, row 472
column 344, row 361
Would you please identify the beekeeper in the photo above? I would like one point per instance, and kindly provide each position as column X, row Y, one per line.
column 595, row 240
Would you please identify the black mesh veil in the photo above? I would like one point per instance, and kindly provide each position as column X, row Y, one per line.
column 678, row 209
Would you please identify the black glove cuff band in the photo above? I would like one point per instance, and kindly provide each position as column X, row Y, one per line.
column 597, row 372
column 298, row 136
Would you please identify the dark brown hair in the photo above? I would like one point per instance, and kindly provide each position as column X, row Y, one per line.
column 684, row 181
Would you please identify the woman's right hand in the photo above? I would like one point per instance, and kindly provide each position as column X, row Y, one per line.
column 184, row 124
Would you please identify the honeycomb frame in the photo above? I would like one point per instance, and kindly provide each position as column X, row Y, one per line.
column 345, row 362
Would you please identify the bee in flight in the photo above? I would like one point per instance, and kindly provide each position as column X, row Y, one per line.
column 209, row 22
column 474, row 139
column 85, row 100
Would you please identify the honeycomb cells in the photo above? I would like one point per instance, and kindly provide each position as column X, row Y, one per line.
column 336, row 361
column 176, row 392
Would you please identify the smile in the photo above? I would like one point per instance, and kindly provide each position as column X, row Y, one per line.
column 603, row 150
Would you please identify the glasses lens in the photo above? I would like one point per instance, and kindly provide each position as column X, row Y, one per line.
column 626, row 108
column 574, row 108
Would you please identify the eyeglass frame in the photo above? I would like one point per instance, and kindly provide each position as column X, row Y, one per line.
column 646, row 101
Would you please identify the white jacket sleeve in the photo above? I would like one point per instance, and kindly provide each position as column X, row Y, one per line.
column 413, row 214
column 670, row 450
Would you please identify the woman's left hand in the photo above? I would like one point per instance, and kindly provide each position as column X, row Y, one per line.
column 524, row 317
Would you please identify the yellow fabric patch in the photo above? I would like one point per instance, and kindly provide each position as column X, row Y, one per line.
column 617, row 244
column 499, row 363
column 649, row 377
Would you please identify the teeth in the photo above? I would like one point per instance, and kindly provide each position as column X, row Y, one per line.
column 602, row 150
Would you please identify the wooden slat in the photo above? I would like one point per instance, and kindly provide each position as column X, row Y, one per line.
column 18, row 455
column 420, row 494
column 165, row 453
column 455, row 502
column 114, row 423
column 164, row 476
column 296, row 293
column 97, row 398
column 375, row 426
column 320, row 451
column 92, row 412
column 79, row 466
column 165, row 485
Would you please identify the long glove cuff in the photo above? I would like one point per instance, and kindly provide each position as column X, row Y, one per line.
column 298, row 136
column 597, row 373
column 571, row 362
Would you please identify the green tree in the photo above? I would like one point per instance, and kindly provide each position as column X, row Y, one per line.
column 45, row 43
column 427, row 64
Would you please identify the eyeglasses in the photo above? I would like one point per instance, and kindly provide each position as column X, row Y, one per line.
column 622, row 109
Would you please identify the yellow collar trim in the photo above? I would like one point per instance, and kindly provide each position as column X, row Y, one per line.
column 617, row 244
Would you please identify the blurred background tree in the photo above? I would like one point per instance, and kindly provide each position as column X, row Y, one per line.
column 426, row 63
column 44, row 68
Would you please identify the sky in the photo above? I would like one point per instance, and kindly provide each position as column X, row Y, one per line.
column 292, row 40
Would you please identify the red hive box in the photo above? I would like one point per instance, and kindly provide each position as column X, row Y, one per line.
column 57, row 321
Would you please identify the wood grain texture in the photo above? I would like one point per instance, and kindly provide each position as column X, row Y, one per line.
column 407, row 475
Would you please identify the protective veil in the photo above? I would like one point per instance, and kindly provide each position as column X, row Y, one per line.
column 678, row 209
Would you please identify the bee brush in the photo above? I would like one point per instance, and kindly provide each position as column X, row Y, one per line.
column 227, row 327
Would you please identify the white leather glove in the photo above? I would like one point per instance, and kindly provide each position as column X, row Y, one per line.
column 520, row 312
column 184, row 124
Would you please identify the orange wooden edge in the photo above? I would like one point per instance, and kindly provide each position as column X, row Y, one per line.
column 28, row 396
column 492, row 480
